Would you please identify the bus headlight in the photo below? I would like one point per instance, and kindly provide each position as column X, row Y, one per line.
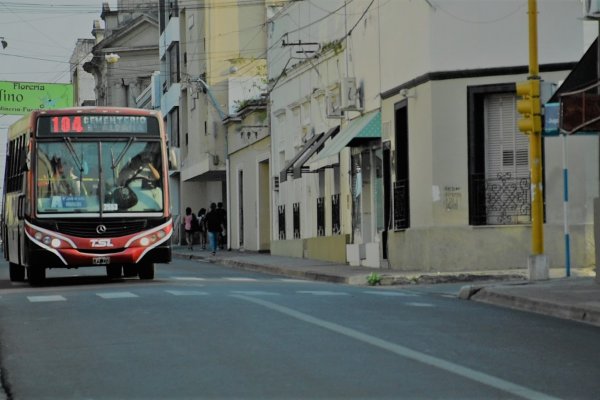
column 151, row 238
column 47, row 238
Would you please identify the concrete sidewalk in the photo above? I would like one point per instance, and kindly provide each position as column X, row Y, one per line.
column 576, row 298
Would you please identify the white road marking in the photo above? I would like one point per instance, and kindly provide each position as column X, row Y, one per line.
column 420, row 304
column 40, row 299
column 392, row 294
column 186, row 292
column 116, row 295
column 187, row 278
column 240, row 279
column 402, row 351
column 255, row 293
column 322, row 293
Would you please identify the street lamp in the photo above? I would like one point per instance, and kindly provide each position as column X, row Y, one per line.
column 212, row 98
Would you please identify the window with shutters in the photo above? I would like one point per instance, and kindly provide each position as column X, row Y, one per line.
column 499, row 181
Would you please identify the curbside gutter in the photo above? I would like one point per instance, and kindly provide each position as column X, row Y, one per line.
column 588, row 313
column 269, row 269
column 349, row 276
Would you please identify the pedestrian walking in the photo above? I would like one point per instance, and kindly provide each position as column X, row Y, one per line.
column 223, row 221
column 214, row 227
column 187, row 226
column 202, row 229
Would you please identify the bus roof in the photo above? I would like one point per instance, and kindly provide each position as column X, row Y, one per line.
column 97, row 110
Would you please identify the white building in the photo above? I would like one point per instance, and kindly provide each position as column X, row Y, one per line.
column 444, row 184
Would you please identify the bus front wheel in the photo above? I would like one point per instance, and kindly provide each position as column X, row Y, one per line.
column 17, row 272
column 36, row 275
column 146, row 271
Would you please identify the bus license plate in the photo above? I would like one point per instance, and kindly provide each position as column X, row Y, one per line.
column 101, row 260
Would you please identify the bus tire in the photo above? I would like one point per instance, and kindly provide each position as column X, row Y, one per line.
column 17, row 272
column 129, row 270
column 146, row 271
column 36, row 275
column 113, row 271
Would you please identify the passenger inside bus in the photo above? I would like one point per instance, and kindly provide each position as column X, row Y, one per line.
column 60, row 184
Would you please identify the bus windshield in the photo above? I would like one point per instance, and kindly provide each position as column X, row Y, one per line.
column 108, row 176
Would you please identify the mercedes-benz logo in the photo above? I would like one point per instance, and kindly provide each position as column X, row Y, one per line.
column 100, row 229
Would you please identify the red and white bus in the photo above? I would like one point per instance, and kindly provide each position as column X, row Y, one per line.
column 86, row 186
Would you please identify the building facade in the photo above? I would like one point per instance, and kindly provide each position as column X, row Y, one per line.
column 83, row 82
column 375, row 133
column 125, row 55
column 212, row 65
column 443, row 184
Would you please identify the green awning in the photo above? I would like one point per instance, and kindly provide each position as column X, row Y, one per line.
column 365, row 127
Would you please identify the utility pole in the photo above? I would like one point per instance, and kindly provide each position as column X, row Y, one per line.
column 531, row 124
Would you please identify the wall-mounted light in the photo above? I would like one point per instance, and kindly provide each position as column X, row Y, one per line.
column 406, row 93
column 112, row 58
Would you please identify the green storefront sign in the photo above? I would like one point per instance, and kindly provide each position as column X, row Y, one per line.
column 19, row 98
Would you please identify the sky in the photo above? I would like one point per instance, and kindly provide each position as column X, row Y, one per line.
column 41, row 36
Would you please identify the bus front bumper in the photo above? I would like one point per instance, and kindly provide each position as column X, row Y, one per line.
column 74, row 258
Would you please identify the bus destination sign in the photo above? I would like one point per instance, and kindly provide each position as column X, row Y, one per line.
column 98, row 124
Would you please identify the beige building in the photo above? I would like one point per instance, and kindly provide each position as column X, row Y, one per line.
column 249, row 145
column 221, row 56
column 443, row 184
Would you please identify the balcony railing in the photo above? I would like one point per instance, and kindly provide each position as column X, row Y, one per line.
column 321, row 216
column 336, row 227
column 401, row 220
column 297, row 234
column 281, row 221
column 503, row 200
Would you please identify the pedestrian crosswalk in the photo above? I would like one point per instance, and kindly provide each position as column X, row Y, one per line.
column 122, row 295
column 190, row 286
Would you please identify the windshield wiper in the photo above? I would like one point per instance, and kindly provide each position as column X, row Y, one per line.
column 79, row 162
column 119, row 157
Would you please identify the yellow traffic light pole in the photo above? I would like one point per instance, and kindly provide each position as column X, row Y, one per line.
column 531, row 124
column 535, row 142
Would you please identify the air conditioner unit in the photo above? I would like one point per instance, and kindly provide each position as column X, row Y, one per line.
column 349, row 95
column 592, row 8
column 332, row 105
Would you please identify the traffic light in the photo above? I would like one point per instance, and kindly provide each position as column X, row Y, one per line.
column 529, row 106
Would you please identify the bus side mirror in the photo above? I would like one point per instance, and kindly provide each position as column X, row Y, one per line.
column 25, row 161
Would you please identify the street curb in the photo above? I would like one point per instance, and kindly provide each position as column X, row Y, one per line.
column 311, row 275
column 354, row 278
column 273, row 270
column 491, row 296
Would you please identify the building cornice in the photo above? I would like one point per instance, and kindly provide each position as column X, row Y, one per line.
column 472, row 73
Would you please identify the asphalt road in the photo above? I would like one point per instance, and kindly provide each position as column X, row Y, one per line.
column 201, row 331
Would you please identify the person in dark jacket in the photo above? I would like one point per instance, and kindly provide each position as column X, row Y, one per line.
column 222, row 239
column 214, row 227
